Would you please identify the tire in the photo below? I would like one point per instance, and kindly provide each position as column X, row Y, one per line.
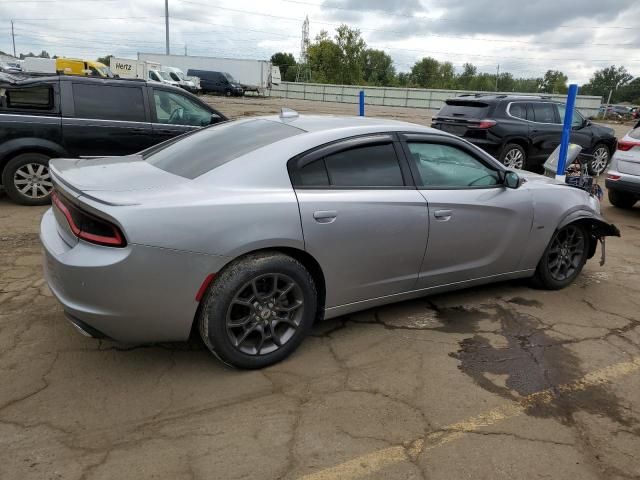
column 239, row 309
column 600, row 161
column 621, row 199
column 554, row 271
column 513, row 156
column 26, row 179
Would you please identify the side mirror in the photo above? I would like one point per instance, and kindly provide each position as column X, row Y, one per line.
column 214, row 119
column 512, row 179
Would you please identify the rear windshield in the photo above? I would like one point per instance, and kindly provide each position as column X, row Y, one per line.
column 635, row 133
column 211, row 147
column 464, row 109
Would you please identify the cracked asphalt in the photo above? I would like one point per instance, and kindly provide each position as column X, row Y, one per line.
column 497, row 382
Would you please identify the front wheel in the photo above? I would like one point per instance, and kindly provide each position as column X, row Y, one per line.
column 258, row 310
column 27, row 180
column 600, row 160
column 563, row 259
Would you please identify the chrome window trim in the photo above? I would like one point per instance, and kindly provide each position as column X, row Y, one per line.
column 524, row 119
column 21, row 115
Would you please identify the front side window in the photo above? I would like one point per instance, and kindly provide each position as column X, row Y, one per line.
column 206, row 149
column 543, row 113
column 445, row 166
column 359, row 167
column 175, row 109
column 29, row 98
column 576, row 121
column 108, row 102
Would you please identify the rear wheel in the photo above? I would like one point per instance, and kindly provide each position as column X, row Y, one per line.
column 27, row 180
column 563, row 259
column 621, row 199
column 513, row 156
column 258, row 310
column 600, row 160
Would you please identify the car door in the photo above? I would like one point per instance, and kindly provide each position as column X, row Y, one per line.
column 361, row 219
column 477, row 226
column 106, row 119
column 545, row 131
column 581, row 134
column 173, row 114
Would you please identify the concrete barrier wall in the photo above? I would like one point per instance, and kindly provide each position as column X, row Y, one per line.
column 431, row 99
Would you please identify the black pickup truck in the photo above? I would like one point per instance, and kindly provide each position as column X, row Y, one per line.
column 71, row 116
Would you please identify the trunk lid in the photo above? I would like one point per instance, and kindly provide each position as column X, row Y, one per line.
column 114, row 180
column 629, row 159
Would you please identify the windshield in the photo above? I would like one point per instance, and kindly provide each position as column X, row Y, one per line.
column 206, row 149
column 229, row 77
column 104, row 70
column 165, row 76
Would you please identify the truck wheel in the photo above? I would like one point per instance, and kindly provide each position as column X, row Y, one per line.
column 27, row 180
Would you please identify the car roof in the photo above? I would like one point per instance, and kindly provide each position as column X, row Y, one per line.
column 494, row 97
column 320, row 123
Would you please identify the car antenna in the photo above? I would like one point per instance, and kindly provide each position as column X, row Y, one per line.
column 288, row 113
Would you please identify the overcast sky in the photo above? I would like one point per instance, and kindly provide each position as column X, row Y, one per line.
column 525, row 38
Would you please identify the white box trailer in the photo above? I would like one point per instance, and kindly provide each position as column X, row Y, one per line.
column 128, row 68
column 254, row 75
column 39, row 65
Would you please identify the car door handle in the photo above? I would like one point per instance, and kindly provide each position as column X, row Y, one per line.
column 443, row 215
column 325, row 216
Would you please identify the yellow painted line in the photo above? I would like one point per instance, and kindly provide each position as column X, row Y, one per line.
column 374, row 462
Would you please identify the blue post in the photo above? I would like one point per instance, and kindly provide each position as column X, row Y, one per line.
column 362, row 103
column 566, row 131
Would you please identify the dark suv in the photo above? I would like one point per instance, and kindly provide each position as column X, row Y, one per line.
column 69, row 116
column 522, row 131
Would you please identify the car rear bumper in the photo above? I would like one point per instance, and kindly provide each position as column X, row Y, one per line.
column 132, row 294
column 626, row 183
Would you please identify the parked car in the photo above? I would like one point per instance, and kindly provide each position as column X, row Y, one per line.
column 10, row 67
column 296, row 218
column 522, row 131
column 623, row 175
column 70, row 116
column 217, row 82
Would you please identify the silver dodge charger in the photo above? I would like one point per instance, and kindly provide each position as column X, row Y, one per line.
column 248, row 231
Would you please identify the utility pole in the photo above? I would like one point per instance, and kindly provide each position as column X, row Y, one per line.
column 497, row 76
column 13, row 38
column 166, row 24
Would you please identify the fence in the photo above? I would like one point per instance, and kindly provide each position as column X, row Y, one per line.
column 399, row 97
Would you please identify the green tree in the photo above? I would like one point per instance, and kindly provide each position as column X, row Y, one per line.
column 378, row 68
column 352, row 48
column 425, row 73
column 630, row 92
column 554, row 81
column 469, row 71
column 285, row 61
column 610, row 78
column 324, row 59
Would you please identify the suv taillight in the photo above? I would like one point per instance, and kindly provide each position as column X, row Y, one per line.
column 626, row 146
column 484, row 124
column 88, row 227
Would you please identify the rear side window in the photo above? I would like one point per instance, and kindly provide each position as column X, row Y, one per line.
column 544, row 113
column 29, row 98
column 464, row 109
column 211, row 147
column 367, row 166
column 108, row 102
column 518, row 110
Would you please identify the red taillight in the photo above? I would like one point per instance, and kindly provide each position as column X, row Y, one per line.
column 484, row 124
column 613, row 177
column 626, row 146
column 88, row 227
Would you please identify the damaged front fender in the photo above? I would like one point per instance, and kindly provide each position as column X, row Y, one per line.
column 597, row 227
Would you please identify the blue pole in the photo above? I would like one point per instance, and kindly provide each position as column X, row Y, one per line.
column 362, row 103
column 566, row 131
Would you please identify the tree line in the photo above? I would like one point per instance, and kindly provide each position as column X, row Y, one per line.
column 345, row 59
